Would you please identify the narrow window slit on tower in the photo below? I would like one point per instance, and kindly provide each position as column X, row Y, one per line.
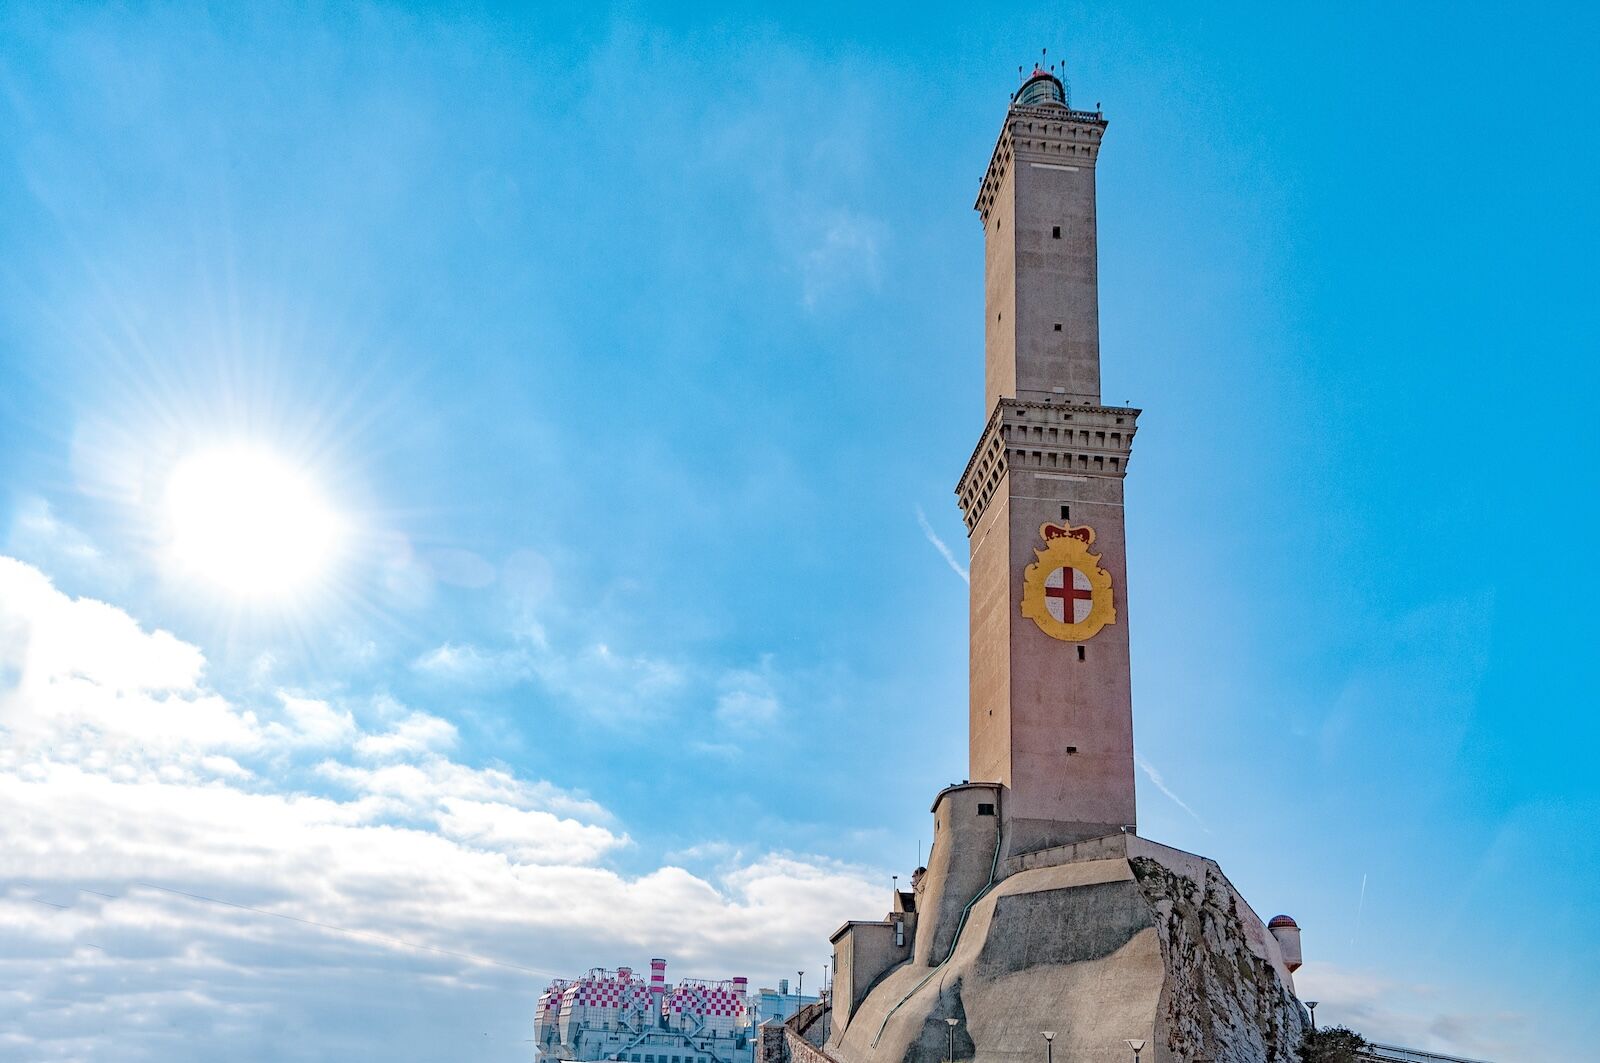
column 1055, row 232
column 1081, row 655
column 1058, row 326
column 1066, row 511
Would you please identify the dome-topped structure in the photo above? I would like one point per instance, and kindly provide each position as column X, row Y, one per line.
column 1042, row 89
column 1287, row 933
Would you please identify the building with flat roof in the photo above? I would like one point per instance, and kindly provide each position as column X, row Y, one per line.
column 779, row 1003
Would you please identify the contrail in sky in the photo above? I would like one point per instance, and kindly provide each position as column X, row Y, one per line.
column 1155, row 777
column 1360, row 905
column 938, row 544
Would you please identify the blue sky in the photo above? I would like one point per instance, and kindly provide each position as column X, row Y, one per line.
column 640, row 348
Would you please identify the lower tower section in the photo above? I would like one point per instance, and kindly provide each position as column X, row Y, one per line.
column 1051, row 707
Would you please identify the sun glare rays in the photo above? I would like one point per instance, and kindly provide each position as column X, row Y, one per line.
column 248, row 523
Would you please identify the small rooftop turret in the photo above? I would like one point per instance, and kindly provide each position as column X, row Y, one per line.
column 1287, row 932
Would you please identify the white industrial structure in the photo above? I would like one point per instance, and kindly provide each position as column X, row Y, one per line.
column 615, row 1015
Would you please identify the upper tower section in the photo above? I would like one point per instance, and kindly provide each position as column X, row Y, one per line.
column 1041, row 284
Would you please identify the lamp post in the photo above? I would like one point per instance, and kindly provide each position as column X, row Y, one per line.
column 1136, row 1045
column 1049, row 1046
column 1312, row 1004
column 827, row 1003
column 951, row 1023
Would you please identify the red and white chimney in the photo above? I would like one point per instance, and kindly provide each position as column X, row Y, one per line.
column 658, row 983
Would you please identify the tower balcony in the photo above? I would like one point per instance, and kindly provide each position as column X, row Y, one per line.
column 1048, row 438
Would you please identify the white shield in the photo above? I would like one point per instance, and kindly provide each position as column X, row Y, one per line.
column 1060, row 588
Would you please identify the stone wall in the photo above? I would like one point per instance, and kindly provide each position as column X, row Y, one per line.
column 1221, row 1000
column 770, row 1043
column 792, row 1041
column 1155, row 944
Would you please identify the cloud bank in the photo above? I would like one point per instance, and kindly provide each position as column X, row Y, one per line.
column 187, row 878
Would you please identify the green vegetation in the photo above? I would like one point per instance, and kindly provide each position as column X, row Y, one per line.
column 1332, row 1044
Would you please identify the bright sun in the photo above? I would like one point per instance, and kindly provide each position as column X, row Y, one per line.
column 250, row 522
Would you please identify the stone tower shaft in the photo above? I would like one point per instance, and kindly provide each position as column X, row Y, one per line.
column 1051, row 709
column 1041, row 282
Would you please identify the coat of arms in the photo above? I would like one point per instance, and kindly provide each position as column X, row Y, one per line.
column 1065, row 591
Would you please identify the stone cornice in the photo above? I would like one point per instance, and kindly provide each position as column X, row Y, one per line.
column 1073, row 439
column 1044, row 134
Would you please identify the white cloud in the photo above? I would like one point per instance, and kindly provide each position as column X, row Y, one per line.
column 418, row 732
column 843, row 254
column 528, row 836
column 314, row 723
column 82, row 678
column 167, row 893
column 609, row 685
column 604, row 685
column 39, row 534
column 469, row 664
column 747, row 701
column 1392, row 1011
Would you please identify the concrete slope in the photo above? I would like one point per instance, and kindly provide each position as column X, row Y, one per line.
column 1096, row 950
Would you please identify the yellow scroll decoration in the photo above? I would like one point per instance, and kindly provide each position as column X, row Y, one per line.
column 1067, row 548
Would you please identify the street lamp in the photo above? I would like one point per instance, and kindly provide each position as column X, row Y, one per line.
column 1049, row 1046
column 1137, row 1046
column 952, row 1024
column 827, row 1003
column 1312, row 1004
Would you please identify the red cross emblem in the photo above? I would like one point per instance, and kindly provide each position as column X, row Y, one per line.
column 1061, row 588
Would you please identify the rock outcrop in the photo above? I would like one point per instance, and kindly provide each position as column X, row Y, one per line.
column 1100, row 941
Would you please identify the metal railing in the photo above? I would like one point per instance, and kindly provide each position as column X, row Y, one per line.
column 1380, row 1053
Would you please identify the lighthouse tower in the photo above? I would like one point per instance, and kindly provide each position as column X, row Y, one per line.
column 1051, row 716
column 1040, row 906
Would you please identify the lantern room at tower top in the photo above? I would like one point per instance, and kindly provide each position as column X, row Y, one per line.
column 1041, row 88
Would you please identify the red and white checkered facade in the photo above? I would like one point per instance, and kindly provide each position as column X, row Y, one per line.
column 620, row 1007
column 604, row 999
column 547, row 1015
column 716, row 1007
